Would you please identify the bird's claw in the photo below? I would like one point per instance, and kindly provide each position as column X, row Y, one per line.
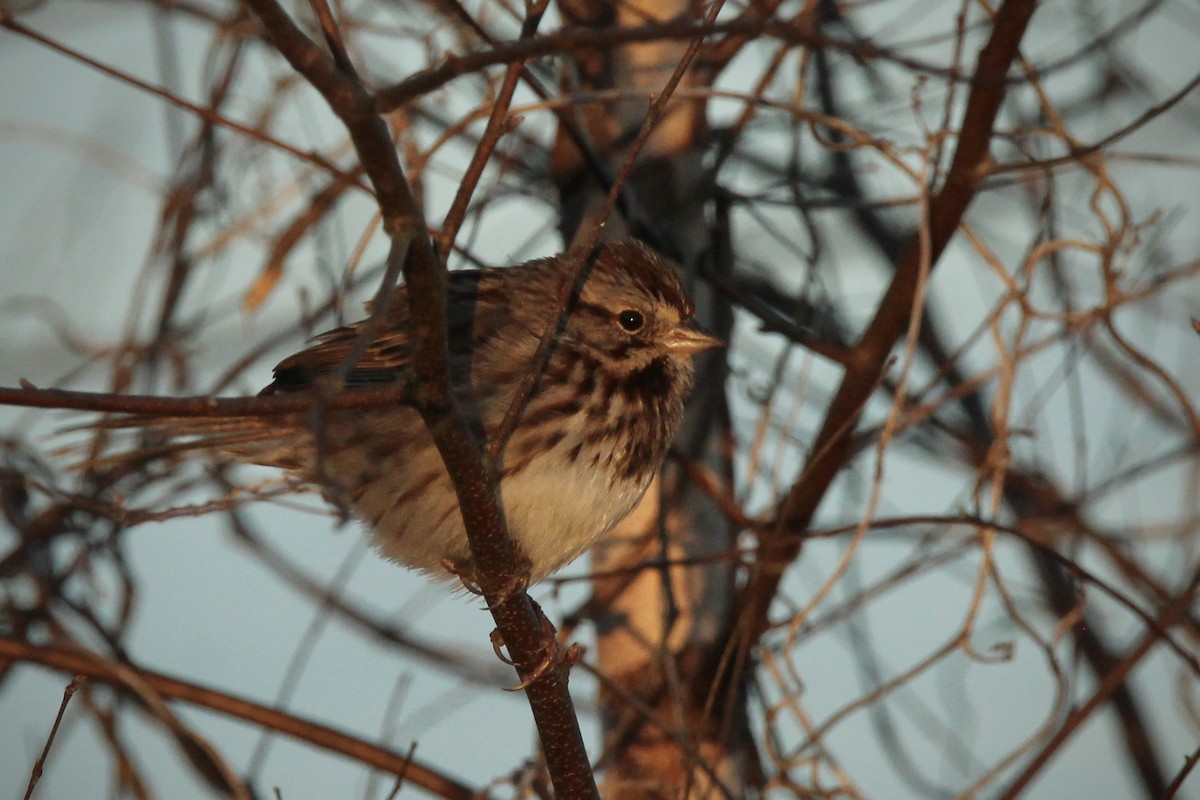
column 554, row 658
column 516, row 584
column 553, row 655
column 464, row 570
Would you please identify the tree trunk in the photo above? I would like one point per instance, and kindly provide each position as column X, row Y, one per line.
column 660, row 644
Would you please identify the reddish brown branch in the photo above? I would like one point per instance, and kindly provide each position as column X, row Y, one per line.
column 93, row 666
column 574, row 40
column 494, row 559
column 834, row 444
column 1111, row 681
column 1189, row 764
column 36, row 774
column 496, row 128
column 271, row 405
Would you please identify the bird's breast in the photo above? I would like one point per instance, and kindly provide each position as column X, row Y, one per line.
column 560, row 502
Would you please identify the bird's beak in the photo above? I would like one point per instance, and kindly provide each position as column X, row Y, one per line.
column 687, row 339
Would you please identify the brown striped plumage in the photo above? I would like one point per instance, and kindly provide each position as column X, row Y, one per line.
column 586, row 447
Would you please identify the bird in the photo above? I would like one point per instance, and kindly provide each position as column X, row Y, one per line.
column 590, row 438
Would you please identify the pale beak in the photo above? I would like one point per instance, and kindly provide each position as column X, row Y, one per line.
column 687, row 339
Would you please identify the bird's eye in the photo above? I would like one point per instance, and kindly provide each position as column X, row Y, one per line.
column 631, row 320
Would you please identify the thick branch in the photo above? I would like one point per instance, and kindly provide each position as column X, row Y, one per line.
column 833, row 446
column 517, row 619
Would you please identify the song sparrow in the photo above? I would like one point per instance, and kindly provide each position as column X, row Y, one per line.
column 591, row 437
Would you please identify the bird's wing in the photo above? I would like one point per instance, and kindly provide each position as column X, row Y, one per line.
column 387, row 355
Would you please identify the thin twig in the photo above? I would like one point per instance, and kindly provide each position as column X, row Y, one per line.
column 36, row 774
column 496, row 128
column 1189, row 764
column 586, row 247
column 1112, row 680
column 206, row 114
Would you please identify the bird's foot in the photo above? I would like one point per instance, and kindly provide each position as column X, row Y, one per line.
column 464, row 570
column 553, row 654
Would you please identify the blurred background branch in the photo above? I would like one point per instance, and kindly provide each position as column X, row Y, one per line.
column 931, row 527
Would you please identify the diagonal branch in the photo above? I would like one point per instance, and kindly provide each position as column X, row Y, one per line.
column 517, row 619
column 79, row 662
column 209, row 115
column 834, row 444
column 1110, row 682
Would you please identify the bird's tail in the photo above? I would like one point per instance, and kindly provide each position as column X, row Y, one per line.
column 272, row 441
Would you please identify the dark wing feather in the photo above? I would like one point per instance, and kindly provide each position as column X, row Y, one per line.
column 382, row 363
column 471, row 299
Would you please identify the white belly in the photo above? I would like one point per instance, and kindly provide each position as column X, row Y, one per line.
column 555, row 508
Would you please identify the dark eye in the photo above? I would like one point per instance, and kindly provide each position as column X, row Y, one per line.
column 631, row 320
